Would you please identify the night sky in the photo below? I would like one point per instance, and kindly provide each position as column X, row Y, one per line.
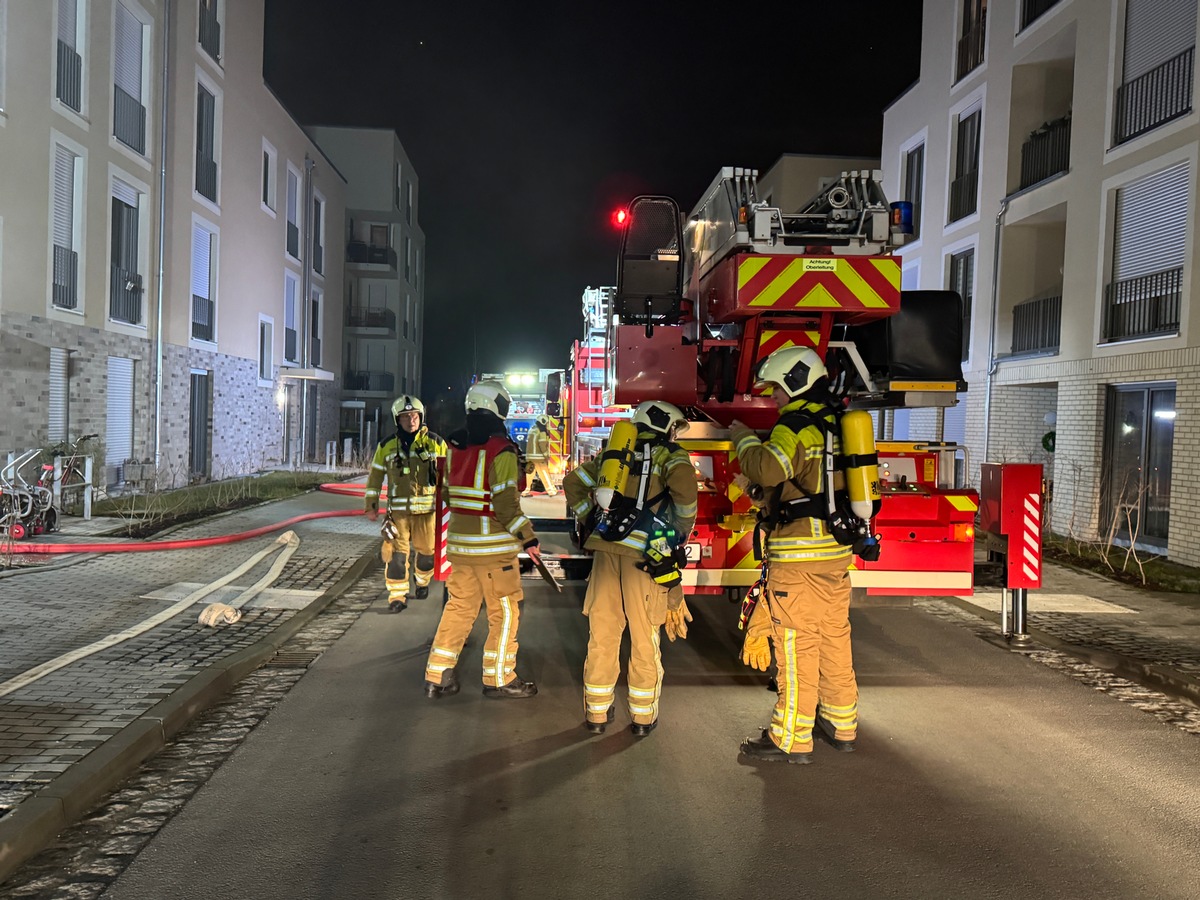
column 529, row 123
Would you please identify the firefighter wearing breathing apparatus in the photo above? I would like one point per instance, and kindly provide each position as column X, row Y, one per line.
column 487, row 531
column 818, row 485
column 537, row 452
column 640, row 494
column 410, row 462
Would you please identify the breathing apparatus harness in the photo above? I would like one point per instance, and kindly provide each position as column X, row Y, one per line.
column 833, row 506
column 663, row 560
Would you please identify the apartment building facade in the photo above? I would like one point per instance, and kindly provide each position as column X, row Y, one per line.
column 145, row 251
column 384, row 284
column 1050, row 150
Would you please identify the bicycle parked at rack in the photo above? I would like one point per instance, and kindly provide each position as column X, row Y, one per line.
column 25, row 508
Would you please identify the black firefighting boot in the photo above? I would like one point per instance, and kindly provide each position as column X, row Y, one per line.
column 421, row 592
column 763, row 748
column 514, row 690
column 641, row 730
column 598, row 727
column 829, row 733
column 397, row 606
column 448, row 686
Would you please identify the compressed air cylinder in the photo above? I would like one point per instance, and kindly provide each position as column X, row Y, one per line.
column 862, row 481
column 614, row 468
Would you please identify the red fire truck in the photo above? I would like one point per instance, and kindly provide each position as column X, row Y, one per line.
column 587, row 418
column 698, row 305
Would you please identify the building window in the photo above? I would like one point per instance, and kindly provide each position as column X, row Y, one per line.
column 204, row 307
column 972, row 37
column 318, row 236
column 3, row 47
column 68, row 82
column 962, row 280
column 293, row 213
column 408, row 259
column 914, row 184
column 1136, row 488
column 65, row 228
column 291, row 336
column 1149, row 250
column 417, row 271
column 407, row 312
column 59, row 405
column 266, row 349
column 964, row 189
column 396, row 184
column 129, row 112
column 126, row 280
column 1157, row 67
column 210, row 29
column 206, row 143
column 408, row 203
column 316, row 328
column 269, row 177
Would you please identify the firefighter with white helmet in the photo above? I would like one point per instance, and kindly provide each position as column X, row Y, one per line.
column 487, row 531
column 804, row 610
column 641, row 495
column 410, row 462
column 537, row 455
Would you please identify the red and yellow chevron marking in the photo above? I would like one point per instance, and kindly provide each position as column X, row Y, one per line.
column 818, row 283
column 740, row 552
column 771, row 340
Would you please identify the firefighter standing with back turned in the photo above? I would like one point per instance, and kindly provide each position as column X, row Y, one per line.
column 804, row 610
column 410, row 462
column 636, row 573
column 537, row 452
column 487, row 531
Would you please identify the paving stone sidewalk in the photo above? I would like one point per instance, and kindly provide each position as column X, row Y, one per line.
column 50, row 724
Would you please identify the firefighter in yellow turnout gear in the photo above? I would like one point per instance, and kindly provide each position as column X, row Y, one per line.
column 804, row 611
column 410, row 462
column 537, row 452
column 487, row 531
column 636, row 573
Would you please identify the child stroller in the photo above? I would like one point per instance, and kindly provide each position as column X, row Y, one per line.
column 25, row 509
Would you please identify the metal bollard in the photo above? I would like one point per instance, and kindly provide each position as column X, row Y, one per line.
column 56, row 484
column 87, row 487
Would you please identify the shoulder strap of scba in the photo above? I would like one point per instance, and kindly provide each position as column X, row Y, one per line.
column 618, row 523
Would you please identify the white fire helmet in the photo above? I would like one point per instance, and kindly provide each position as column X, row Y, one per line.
column 489, row 395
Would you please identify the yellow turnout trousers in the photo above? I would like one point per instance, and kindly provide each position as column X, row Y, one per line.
column 810, row 632
column 415, row 532
column 496, row 583
column 541, row 468
column 618, row 594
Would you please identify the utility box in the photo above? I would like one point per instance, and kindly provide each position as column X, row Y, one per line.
column 1010, row 518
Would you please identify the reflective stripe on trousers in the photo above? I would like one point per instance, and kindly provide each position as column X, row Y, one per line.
column 496, row 583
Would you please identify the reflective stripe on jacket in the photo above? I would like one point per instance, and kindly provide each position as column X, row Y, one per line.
column 411, row 474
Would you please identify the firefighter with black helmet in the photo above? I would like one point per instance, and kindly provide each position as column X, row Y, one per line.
column 487, row 532
column 537, row 455
column 642, row 516
column 804, row 610
column 410, row 462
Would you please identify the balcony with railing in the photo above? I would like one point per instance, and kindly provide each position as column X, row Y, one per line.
column 206, row 177
column 66, row 278
column 1144, row 306
column 129, row 120
column 210, row 31
column 1162, row 94
column 371, row 317
column 204, row 318
column 971, row 46
column 1032, row 10
column 964, row 195
column 369, row 382
column 360, row 253
column 126, row 296
column 1047, row 152
column 1037, row 325
column 68, row 86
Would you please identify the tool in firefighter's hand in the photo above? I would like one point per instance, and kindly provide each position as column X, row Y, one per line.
column 756, row 652
column 547, row 576
column 677, row 619
column 389, row 530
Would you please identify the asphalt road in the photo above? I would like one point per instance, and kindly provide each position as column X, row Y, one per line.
column 980, row 773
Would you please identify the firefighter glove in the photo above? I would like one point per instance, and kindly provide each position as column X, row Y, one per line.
column 756, row 652
column 389, row 530
column 677, row 620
